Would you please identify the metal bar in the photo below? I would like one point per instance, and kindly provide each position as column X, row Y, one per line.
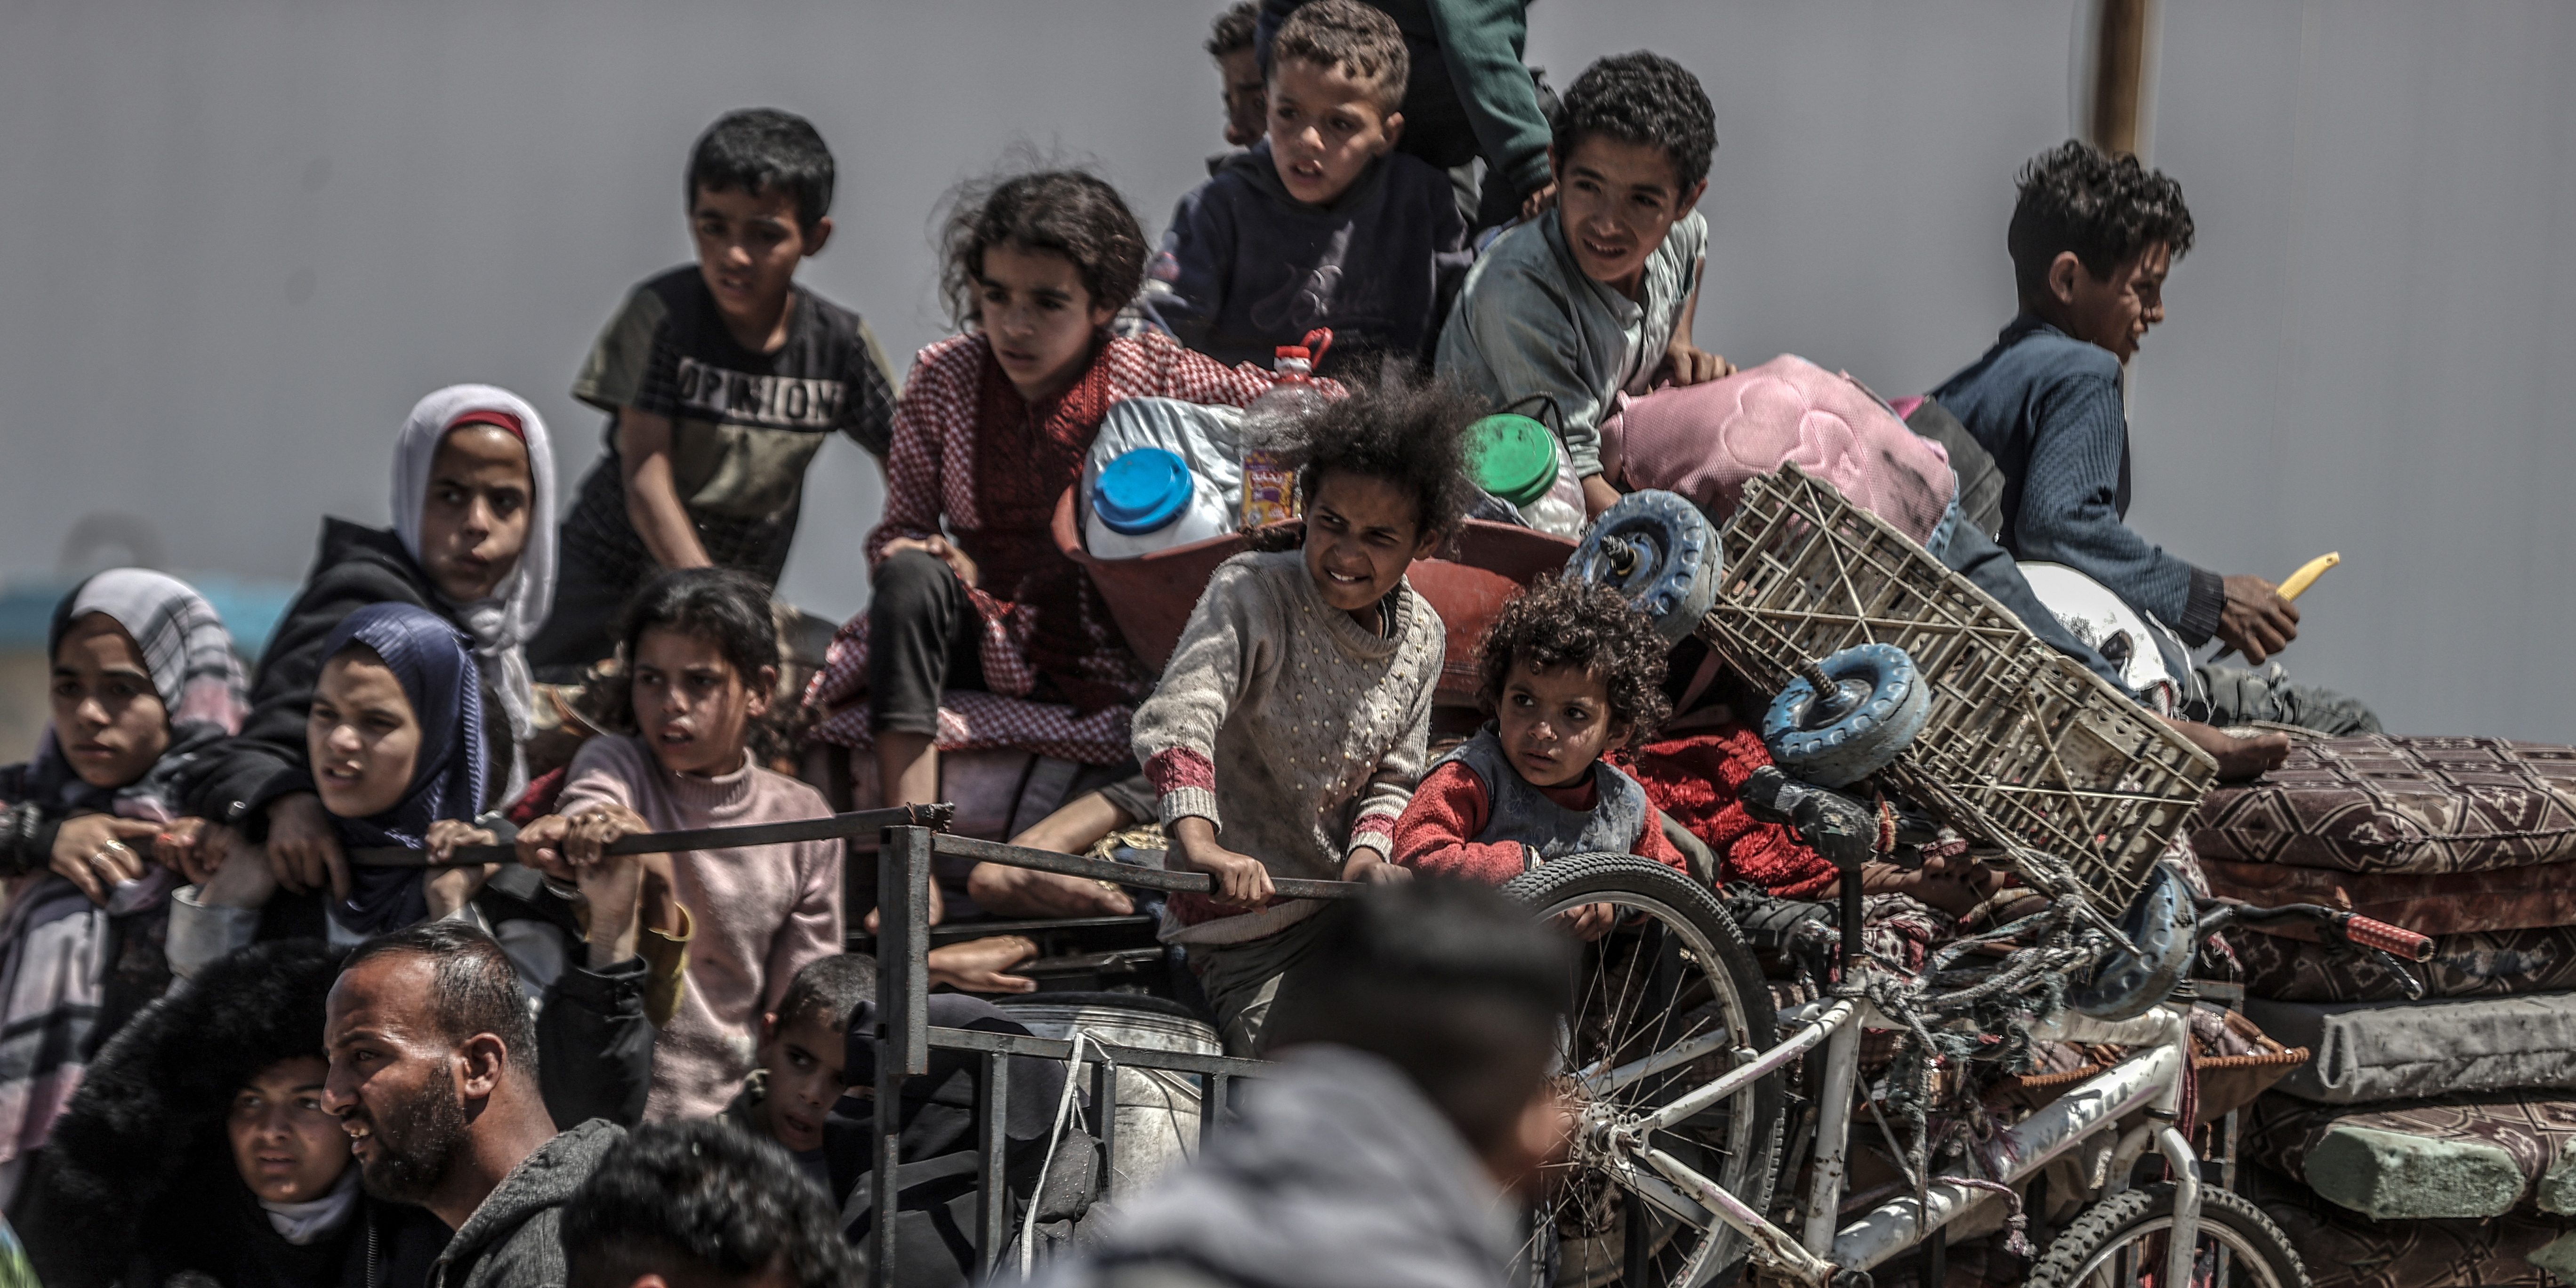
column 830, row 828
column 1062, row 1049
column 2183, row 1246
column 1104, row 1118
column 1833, row 1136
column 1772, row 1246
column 1127, row 875
column 902, row 1037
column 2064, row 1123
column 1739, row 1078
column 1211, row 1104
column 992, row 1111
column 1602, row 1082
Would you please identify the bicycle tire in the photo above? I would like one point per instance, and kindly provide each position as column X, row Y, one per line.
column 1686, row 939
column 2084, row 1254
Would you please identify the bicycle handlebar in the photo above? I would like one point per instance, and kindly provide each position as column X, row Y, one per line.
column 2365, row 932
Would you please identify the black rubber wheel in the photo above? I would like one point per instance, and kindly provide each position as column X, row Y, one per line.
column 1674, row 576
column 1674, row 971
column 2120, row 1242
column 1883, row 702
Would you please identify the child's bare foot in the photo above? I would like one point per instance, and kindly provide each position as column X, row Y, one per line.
column 1006, row 891
column 2238, row 758
column 976, row 965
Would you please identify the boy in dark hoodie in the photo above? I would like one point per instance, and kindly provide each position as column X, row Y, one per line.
column 1412, row 1097
column 1322, row 223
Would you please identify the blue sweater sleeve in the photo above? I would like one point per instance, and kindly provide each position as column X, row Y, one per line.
column 2070, row 512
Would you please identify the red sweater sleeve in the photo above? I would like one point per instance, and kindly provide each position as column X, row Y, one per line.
column 1653, row 844
column 1449, row 806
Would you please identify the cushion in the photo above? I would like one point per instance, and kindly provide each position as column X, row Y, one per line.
column 2345, row 1250
column 2383, row 803
column 1706, row 441
column 2459, row 1156
column 2363, row 1052
column 2439, row 903
column 2486, row 963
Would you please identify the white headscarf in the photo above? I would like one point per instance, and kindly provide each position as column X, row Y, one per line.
column 502, row 625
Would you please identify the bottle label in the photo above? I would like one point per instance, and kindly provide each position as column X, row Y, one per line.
column 1269, row 489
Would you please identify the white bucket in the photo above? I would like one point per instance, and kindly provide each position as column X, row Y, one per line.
column 1158, row 1110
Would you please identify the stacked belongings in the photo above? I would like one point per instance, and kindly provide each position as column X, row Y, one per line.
column 2430, row 1140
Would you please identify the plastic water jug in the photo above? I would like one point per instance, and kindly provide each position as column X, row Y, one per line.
column 1148, row 500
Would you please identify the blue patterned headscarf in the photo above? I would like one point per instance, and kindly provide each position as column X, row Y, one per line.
column 430, row 659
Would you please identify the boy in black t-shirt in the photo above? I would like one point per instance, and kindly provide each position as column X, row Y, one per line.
column 721, row 381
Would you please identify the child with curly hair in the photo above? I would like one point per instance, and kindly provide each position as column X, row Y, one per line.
column 1571, row 674
column 1296, row 711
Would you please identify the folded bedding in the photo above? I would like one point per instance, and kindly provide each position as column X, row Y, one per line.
column 2487, row 963
column 2366, row 1052
column 2457, row 1156
column 2436, row 903
column 2388, row 803
column 2344, row 1250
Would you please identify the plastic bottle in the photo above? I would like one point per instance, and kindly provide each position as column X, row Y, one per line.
column 1269, row 422
column 1148, row 500
column 1519, row 462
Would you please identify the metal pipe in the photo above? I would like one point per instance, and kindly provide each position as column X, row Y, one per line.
column 2101, row 1101
column 1743, row 1076
column 2183, row 1247
column 903, row 1036
column 1833, row 1136
column 1020, row 856
column 1773, row 1248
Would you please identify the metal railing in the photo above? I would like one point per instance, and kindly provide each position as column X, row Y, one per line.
column 905, row 1036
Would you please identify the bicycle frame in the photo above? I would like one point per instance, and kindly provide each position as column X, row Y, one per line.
column 1822, row 1256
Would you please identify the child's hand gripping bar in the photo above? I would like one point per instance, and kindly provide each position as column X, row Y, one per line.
column 866, row 822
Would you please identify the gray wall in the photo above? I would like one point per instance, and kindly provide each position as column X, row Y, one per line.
column 237, row 239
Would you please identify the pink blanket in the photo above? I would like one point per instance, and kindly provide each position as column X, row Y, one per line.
column 1706, row 441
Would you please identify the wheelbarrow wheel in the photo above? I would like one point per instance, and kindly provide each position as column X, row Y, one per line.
column 1673, row 978
column 1657, row 549
column 2120, row 1242
column 1880, row 702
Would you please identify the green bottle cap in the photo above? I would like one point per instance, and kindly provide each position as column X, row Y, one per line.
column 1513, row 457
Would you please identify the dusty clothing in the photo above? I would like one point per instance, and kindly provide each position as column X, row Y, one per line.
column 1241, row 980
column 973, row 457
column 1293, row 728
column 761, row 914
column 2048, row 407
column 2241, row 695
column 1474, row 816
column 1247, row 268
column 1530, row 332
column 515, row 1239
column 744, row 425
column 1340, row 1174
column 354, row 567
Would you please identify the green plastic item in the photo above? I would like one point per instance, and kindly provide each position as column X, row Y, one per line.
column 1513, row 457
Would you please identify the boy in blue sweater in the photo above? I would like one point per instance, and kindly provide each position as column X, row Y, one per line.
column 2092, row 238
column 1322, row 223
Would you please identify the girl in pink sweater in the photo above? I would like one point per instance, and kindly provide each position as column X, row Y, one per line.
column 701, row 664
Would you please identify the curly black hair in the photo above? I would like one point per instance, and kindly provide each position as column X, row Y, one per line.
column 702, row 1203
column 1357, row 38
column 2105, row 208
column 1566, row 621
column 1644, row 98
column 1410, row 433
column 1072, row 213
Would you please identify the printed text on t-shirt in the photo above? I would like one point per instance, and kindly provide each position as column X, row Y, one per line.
column 789, row 402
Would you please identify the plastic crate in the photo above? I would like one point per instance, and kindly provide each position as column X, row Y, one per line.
column 2022, row 746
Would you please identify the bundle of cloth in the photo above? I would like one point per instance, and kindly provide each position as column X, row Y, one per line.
column 2429, row 1140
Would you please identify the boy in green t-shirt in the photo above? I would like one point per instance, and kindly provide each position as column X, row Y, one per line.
column 721, row 380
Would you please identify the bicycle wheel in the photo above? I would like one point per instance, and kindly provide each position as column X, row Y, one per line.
column 2121, row 1241
column 1673, row 979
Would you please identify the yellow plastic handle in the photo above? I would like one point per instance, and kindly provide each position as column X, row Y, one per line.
column 2308, row 573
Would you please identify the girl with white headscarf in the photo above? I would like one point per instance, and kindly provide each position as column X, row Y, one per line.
column 145, row 683
column 473, row 540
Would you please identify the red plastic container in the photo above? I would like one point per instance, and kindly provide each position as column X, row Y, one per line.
column 1151, row 596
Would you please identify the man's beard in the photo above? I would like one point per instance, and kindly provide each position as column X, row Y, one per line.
column 414, row 1147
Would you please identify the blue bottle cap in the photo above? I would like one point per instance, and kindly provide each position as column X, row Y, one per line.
column 1141, row 491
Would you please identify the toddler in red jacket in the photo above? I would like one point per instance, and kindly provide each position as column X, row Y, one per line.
column 1571, row 674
